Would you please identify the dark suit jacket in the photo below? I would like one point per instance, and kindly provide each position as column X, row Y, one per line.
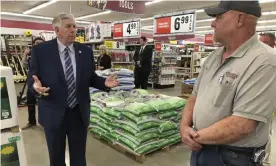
column 104, row 61
column 145, row 58
column 47, row 66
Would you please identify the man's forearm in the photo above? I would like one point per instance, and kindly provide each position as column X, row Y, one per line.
column 187, row 115
column 226, row 131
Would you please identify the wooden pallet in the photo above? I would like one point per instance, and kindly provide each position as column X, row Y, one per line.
column 141, row 158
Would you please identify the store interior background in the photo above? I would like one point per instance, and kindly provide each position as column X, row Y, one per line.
column 38, row 21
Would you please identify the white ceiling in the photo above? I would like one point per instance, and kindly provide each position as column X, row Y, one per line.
column 80, row 8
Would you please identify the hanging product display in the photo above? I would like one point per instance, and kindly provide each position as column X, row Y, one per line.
column 97, row 31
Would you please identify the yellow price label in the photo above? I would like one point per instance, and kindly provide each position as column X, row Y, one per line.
column 108, row 44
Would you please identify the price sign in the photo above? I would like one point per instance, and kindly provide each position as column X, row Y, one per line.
column 177, row 23
column 182, row 23
column 131, row 29
column 127, row 29
column 119, row 45
column 165, row 47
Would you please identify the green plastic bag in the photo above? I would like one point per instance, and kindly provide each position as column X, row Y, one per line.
column 105, row 126
column 106, row 117
column 139, row 109
column 169, row 114
column 95, row 110
column 94, row 120
column 167, row 134
column 113, row 101
column 128, row 129
column 99, row 96
column 127, row 142
column 160, row 105
column 97, row 130
column 167, row 126
column 138, row 92
column 139, row 119
column 142, row 133
column 128, row 136
column 113, row 135
column 112, row 112
column 177, row 102
column 148, row 147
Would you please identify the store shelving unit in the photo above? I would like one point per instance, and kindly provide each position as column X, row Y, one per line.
column 12, row 49
column 163, row 71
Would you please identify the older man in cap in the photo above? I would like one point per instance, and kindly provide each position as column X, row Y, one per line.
column 226, row 120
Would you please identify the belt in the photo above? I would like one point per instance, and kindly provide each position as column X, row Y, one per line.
column 245, row 150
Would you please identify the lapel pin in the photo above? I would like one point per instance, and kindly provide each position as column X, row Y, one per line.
column 80, row 51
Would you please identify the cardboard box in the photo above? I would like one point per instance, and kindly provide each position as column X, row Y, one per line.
column 187, row 89
column 12, row 149
column 9, row 110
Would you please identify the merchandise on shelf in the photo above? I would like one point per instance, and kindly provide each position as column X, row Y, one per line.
column 12, row 149
column 136, row 120
column 9, row 111
column 163, row 70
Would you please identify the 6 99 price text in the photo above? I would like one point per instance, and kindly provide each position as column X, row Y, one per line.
column 182, row 23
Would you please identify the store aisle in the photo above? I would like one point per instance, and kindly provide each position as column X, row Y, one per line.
column 97, row 152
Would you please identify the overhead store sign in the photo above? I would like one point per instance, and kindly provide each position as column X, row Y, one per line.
column 176, row 23
column 124, row 6
column 127, row 29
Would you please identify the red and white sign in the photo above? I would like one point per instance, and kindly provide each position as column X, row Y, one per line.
column 127, row 29
column 177, row 23
column 117, row 30
column 158, row 46
column 208, row 39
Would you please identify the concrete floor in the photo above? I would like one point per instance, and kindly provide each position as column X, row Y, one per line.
column 97, row 152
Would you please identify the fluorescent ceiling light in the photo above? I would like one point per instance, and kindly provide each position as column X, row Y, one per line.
column 200, row 10
column 40, row 6
column 93, row 15
column 25, row 15
column 38, row 17
column 266, row 21
column 268, row 13
column 149, row 26
column 266, row 26
column 145, row 19
column 152, row 2
column 266, row 1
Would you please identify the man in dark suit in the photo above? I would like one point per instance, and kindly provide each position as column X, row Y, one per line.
column 142, row 59
column 63, row 70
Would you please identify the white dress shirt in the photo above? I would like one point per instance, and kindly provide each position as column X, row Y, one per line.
column 61, row 49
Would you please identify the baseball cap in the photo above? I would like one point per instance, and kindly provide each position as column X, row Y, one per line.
column 248, row 7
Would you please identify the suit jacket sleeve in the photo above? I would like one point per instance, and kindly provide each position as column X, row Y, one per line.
column 34, row 69
column 97, row 81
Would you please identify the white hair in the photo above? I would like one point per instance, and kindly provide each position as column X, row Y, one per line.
column 57, row 21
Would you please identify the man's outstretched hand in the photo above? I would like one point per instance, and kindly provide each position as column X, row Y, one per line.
column 111, row 81
column 38, row 87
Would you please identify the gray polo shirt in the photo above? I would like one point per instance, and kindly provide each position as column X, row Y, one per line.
column 243, row 85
